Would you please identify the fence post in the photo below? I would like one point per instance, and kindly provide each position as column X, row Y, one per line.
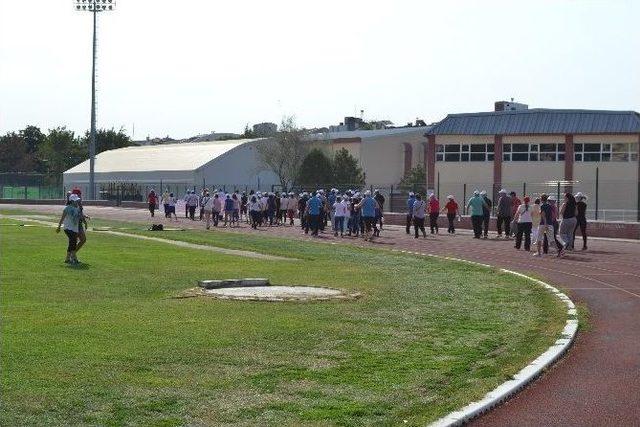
column 524, row 189
column 559, row 202
column 597, row 189
column 438, row 185
column 464, row 199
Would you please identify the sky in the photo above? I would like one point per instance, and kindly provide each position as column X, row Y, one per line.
column 182, row 68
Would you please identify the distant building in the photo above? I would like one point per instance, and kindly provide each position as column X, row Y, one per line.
column 263, row 130
column 175, row 167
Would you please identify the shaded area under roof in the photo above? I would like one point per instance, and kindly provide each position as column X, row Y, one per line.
column 539, row 121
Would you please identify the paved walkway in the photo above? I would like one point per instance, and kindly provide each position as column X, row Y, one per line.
column 597, row 383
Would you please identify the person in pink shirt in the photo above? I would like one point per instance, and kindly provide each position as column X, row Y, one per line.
column 434, row 212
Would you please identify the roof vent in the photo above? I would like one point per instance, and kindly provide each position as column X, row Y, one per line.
column 509, row 106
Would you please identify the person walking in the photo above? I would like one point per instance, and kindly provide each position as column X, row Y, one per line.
column 171, row 206
column 410, row 201
column 380, row 199
column 546, row 228
column 581, row 219
column 340, row 208
column 255, row 211
column 419, row 212
column 503, row 214
column 228, row 210
column 207, row 208
column 451, row 209
column 476, row 207
column 524, row 221
column 292, row 205
column 71, row 220
column 568, row 223
column 486, row 214
column 434, row 213
column 165, row 204
column 368, row 208
column 535, row 220
column 152, row 200
column 192, row 204
column 314, row 210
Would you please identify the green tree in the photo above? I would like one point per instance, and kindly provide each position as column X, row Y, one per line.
column 108, row 139
column 316, row 169
column 346, row 171
column 61, row 151
column 415, row 180
column 14, row 154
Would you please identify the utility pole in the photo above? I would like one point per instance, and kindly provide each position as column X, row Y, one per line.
column 93, row 6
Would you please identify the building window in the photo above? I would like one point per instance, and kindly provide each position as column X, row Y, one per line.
column 464, row 152
column 533, row 152
column 616, row 152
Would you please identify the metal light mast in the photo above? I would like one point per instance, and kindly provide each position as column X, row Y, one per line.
column 93, row 6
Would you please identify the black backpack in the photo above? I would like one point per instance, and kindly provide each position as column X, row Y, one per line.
column 156, row 227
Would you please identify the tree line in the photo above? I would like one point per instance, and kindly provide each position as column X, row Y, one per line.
column 32, row 151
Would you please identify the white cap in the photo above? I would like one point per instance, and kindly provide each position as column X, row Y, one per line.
column 503, row 191
column 74, row 198
column 411, row 193
column 476, row 192
column 450, row 197
column 367, row 193
column 483, row 192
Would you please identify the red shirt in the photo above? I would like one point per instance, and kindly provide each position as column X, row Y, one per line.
column 152, row 198
column 515, row 202
column 451, row 206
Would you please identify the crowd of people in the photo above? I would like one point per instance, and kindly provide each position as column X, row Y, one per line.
column 534, row 224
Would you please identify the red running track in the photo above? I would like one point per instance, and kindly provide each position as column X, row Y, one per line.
column 597, row 383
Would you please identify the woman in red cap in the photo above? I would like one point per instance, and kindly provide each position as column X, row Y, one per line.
column 524, row 222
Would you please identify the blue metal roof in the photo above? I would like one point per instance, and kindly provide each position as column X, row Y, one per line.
column 539, row 121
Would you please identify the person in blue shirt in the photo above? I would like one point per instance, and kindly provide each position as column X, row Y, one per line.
column 410, row 201
column 476, row 207
column 314, row 208
column 368, row 208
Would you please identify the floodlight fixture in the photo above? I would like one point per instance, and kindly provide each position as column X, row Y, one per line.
column 94, row 6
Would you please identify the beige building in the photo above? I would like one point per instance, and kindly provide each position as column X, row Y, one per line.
column 529, row 151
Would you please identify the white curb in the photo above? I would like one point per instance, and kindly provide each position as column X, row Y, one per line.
column 529, row 372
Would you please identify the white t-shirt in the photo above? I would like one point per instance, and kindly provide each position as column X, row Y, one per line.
column 208, row 203
column 255, row 206
column 525, row 215
column 340, row 208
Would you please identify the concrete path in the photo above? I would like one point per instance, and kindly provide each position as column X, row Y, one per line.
column 597, row 383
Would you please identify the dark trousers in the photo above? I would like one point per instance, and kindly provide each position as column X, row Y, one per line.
column 167, row 214
column 409, row 219
column 433, row 222
column 524, row 228
column 216, row 218
column 192, row 212
column 338, row 224
column 476, row 222
column 314, row 223
column 451, row 218
column 507, row 225
column 582, row 225
column 485, row 224
column 418, row 225
column 73, row 240
column 152, row 208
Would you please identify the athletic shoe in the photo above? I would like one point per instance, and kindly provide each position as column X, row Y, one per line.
column 537, row 254
column 561, row 253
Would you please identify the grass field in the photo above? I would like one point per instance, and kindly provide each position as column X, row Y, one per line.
column 105, row 343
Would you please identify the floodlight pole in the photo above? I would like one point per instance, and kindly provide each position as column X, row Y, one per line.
column 92, row 142
column 93, row 6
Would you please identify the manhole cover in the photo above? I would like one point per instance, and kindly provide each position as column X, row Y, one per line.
column 279, row 293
